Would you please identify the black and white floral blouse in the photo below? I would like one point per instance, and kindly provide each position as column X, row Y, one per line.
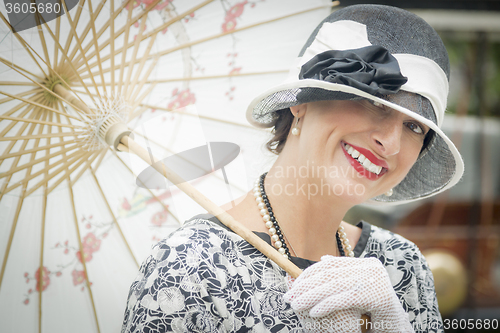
column 205, row 278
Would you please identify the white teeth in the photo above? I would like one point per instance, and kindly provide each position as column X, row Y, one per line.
column 366, row 163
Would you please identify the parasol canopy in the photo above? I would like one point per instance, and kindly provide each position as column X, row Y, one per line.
column 74, row 225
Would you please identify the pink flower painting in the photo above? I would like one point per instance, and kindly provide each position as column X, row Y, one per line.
column 182, row 99
column 159, row 218
column 90, row 244
column 44, row 277
column 78, row 277
column 232, row 14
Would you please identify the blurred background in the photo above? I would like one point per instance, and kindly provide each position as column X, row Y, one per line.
column 459, row 230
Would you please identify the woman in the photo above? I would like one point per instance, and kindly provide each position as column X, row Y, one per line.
column 358, row 120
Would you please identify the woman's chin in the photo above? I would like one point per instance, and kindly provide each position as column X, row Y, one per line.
column 350, row 191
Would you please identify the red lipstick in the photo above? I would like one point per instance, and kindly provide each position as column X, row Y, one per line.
column 370, row 156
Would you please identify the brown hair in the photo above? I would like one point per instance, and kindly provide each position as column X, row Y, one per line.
column 280, row 131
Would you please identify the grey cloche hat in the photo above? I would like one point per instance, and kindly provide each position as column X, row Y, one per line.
column 386, row 55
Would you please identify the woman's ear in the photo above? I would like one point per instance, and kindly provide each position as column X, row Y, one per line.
column 299, row 110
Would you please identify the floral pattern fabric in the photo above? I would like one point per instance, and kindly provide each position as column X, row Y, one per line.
column 205, row 278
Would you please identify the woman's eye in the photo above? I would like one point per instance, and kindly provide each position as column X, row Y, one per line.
column 415, row 127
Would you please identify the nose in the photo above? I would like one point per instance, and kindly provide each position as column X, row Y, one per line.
column 387, row 136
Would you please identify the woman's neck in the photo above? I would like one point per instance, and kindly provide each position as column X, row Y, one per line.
column 308, row 218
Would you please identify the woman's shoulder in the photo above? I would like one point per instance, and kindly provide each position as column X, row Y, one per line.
column 205, row 233
column 383, row 240
column 401, row 257
column 199, row 229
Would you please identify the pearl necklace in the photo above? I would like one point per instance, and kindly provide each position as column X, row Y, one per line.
column 274, row 229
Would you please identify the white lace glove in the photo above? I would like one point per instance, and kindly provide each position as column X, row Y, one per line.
column 342, row 288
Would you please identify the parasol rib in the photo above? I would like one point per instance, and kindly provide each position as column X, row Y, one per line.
column 134, row 55
column 59, row 129
column 37, row 104
column 69, row 39
column 56, row 42
column 112, row 47
column 165, row 207
column 142, row 97
column 56, row 50
column 110, row 22
column 31, row 128
column 176, row 19
column 11, row 235
column 41, row 159
column 16, row 83
column 124, row 54
column 26, row 93
column 52, row 92
column 17, row 119
column 12, row 65
column 18, row 107
column 44, row 206
column 99, row 161
column 19, row 132
column 156, row 31
column 116, row 34
column 29, row 137
column 79, row 44
column 80, row 246
column 146, row 106
column 88, row 165
column 144, row 78
column 144, row 57
column 51, row 175
column 42, row 246
column 34, row 150
column 42, row 38
column 67, row 161
column 91, row 22
column 87, row 158
column 23, row 43
column 87, row 28
column 18, row 210
column 115, row 221
column 42, row 239
column 209, row 77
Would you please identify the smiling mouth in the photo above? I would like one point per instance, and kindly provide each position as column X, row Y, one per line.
column 362, row 164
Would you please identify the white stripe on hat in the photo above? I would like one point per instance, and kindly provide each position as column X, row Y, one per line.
column 425, row 77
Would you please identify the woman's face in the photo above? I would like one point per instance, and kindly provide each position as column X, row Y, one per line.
column 354, row 149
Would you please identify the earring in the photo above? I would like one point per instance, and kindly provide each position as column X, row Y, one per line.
column 295, row 129
column 388, row 193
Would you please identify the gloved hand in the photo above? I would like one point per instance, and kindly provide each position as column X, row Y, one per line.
column 342, row 288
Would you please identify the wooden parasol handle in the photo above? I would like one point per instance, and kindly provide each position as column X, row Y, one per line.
column 213, row 209
column 128, row 144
